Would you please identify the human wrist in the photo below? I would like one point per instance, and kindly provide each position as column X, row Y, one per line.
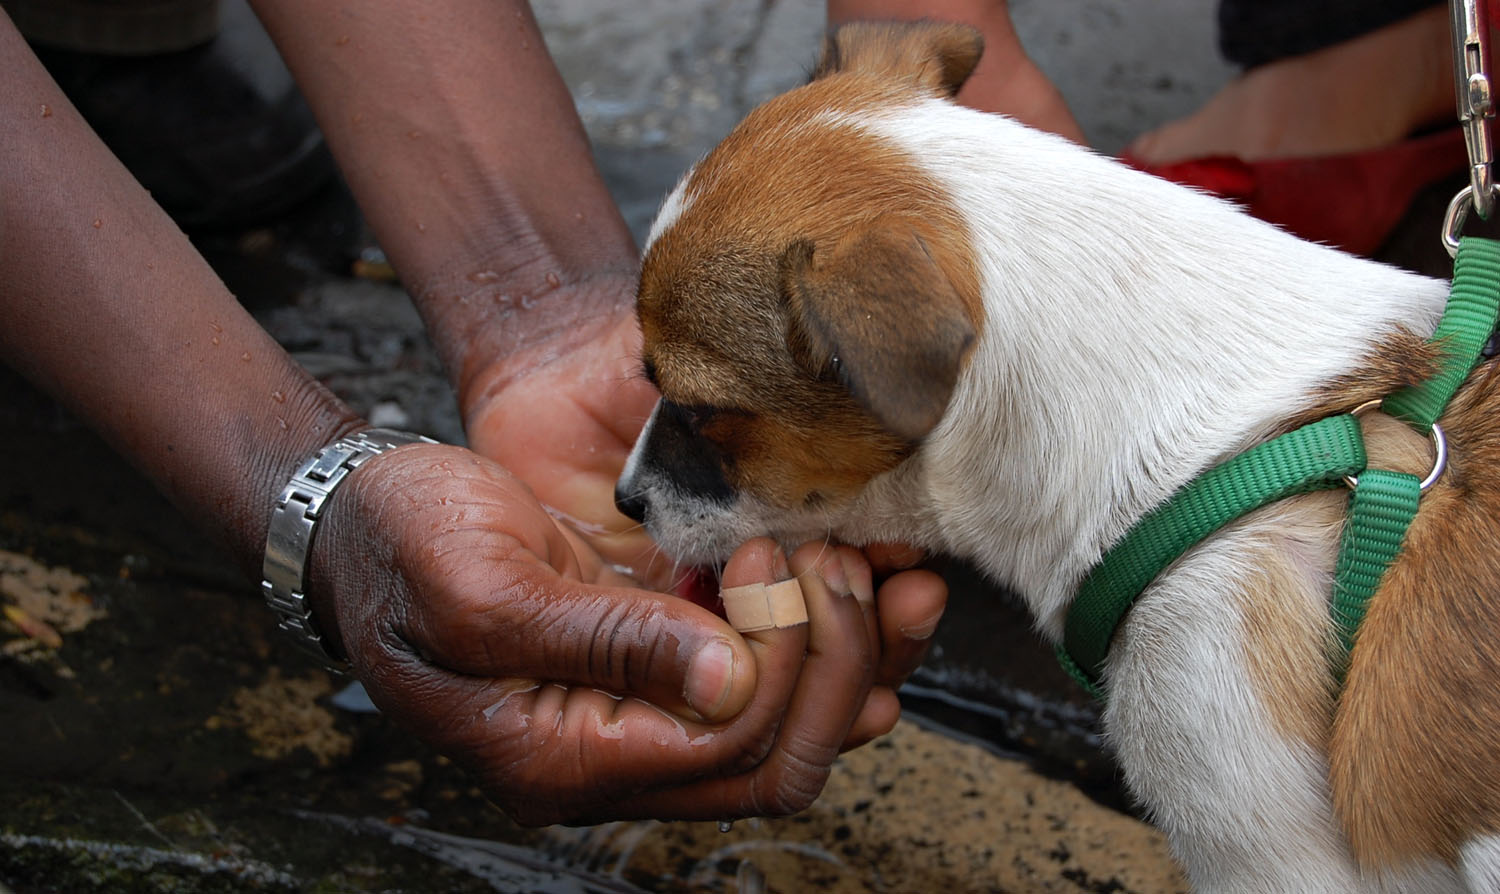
column 296, row 516
column 487, row 339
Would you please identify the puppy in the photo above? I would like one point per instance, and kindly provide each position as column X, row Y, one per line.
column 876, row 315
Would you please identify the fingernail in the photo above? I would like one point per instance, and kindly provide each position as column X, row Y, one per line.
column 780, row 568
column 833, row 575
column 923, row 629
column 860, row 582
column 710, row 677
column 905, row 558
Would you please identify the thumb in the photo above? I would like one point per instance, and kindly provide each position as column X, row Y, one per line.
column 521, row 618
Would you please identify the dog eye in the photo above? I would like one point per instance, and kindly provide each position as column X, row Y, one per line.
column 694, row 416
column 697, row 417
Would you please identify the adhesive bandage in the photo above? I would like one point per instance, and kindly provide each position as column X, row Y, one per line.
column 765, row 606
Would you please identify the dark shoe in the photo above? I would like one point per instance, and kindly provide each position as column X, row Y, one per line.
column 218, row 133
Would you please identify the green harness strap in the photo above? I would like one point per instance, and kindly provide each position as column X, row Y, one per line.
column 1314, row 457
column 1467, row 323
column 1380, row 510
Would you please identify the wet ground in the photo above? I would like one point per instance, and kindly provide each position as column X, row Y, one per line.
column 157, row 737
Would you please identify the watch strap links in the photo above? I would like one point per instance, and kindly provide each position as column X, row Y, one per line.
column 294, row 520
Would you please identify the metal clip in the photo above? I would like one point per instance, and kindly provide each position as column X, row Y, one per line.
column 1475, row 101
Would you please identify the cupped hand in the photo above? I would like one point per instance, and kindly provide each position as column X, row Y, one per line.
column 562, row 417
column 573, row 696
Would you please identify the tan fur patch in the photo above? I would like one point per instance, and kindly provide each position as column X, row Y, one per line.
column 1414, row 746
column 792, row 465
column 1285, row 616
column 937, row 56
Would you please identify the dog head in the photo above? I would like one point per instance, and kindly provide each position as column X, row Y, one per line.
column 808, row 299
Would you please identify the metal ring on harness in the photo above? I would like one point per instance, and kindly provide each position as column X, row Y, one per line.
column 1439, row 448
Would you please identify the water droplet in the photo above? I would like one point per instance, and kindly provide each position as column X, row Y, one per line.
column 484, row 276
column 98, row 222
column 245, row 357
column 278, row 397
column 553, row 280
column 527, row 302
column 356, row 117
column 414, row 135
column 421, row 227
column 214, row 341
column 725, row 825
column 46, row 111
column 215, row 326
column 341, row 41
column 282, row 422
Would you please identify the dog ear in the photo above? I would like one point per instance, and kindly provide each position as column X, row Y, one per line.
column 875, row 311
column 938, row 56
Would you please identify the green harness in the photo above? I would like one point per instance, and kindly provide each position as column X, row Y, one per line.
column 1326, row 454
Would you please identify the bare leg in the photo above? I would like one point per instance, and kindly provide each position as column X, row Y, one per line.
column 1365, row 93
column 1006, row 80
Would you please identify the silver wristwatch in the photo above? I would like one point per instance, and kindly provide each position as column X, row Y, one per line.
column 293, row 520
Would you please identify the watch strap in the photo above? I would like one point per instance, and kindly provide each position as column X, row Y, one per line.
column 294, row 520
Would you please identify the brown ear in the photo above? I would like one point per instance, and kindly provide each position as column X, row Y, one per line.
column 938, row 56
column 875, row 311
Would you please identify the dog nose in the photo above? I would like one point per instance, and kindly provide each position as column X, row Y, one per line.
column 632, row 504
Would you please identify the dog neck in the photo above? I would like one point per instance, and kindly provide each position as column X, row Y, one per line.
column 1135, row 334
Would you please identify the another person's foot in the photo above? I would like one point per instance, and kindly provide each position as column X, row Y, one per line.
column 1367, row 93
column 218, row 133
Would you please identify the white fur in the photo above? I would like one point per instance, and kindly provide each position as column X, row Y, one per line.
column 1135, row 334
column 1480, row 859
column 672, row 207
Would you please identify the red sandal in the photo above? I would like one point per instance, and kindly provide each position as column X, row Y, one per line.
column 1351, row 201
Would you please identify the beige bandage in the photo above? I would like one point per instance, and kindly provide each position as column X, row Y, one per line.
column 764, row 606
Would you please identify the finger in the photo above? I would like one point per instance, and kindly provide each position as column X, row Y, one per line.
column 609, row 748
column 910, row 605
column 778, row 651
column 541, row 751
column 888, row 558
column 504, row 612
column 881, row 710
column 830, row 690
